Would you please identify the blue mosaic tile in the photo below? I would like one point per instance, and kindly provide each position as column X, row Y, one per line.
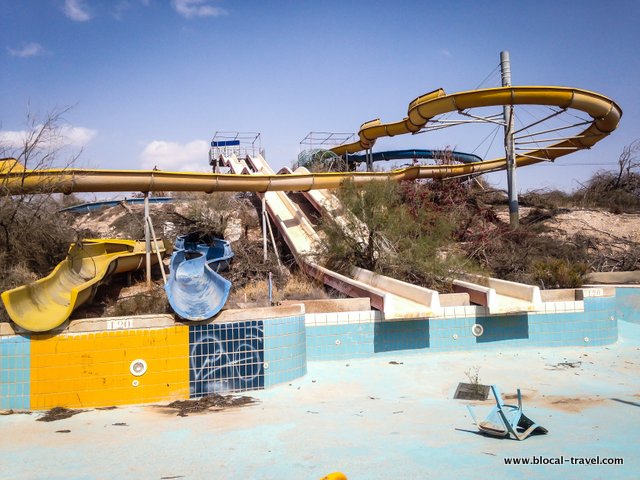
column 401, row 335
column 628, row 304
column 15, row 372
column 285, row 349
column 225, row 357
column 503, row 328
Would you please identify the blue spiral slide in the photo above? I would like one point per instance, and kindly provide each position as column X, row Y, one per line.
column 195, row 289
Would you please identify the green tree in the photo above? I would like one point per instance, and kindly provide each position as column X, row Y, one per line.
column 381, row 233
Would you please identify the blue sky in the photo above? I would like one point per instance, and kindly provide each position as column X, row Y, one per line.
column 150, row 81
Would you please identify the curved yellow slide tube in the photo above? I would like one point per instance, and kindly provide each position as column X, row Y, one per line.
column 605, row 113
column 48, row 302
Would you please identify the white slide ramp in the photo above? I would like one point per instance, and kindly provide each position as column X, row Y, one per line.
column 395, row 298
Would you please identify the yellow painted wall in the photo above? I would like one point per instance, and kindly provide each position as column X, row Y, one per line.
column 92, row 369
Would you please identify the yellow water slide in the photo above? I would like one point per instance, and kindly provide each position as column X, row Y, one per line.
column 604, row 112
column 48, row 302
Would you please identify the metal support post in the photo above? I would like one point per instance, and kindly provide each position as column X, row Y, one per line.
column 264, row 227
column 147, row 238
column 273, row 240
column 156, row 246
column 514, row 216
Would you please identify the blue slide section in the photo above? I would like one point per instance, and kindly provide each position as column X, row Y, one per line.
column 195, row 289
column 416, row 154
column 88, row 207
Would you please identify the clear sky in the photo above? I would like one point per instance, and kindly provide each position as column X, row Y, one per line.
column 150, row 81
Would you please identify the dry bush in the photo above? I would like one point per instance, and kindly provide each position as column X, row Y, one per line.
column 301, row 287
column 529, row 255
column 248, row 266
column 13, row 276
column 396, row 230
column 256, row 291
column 545, row 199
column 153, row 301
column 296, row 287
column 34, row 237
column 617, row 190
column 131, row 224
column 559, row 273
column 210, row 212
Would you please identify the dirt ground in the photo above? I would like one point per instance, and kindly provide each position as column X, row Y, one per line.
column 599, row 224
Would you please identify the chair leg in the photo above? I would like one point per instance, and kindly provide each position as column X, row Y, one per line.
column 473, row 415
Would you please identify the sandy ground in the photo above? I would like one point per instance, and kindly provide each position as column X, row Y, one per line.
column 600, row 224
column 390, row 416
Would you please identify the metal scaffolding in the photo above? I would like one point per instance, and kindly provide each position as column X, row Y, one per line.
column 240, row 144
column 315, row 149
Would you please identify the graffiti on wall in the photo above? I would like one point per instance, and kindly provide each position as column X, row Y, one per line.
column 226, row 357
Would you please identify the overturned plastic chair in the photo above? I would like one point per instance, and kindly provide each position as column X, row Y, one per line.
column 505, row 419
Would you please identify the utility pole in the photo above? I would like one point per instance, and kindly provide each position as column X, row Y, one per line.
column 507, row 112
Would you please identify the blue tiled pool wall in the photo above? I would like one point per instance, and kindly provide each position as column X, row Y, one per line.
column 226, row 357
column 285, row 349
column 260, row 353
column 589, row 323
column 628, row 302
column 15, row 373
column 250, row 355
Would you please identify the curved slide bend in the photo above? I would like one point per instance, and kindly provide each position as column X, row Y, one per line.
column 395, row 298
column 195, row 289
column 604, row 112
column 49, row 302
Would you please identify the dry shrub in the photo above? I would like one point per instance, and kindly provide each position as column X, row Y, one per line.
column 545, row 199
column 152, row 301
column 210, row 212
column 402, row 231
column 296, row 287
column 34, row 237
column 254, row 292
column 601, row 192
column 559, row 273
column 529, row 255
column 618, row 191
column 301, row 287
column 248, row 265
column 14, row 276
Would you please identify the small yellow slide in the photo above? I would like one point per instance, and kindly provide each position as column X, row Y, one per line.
column 48, row 302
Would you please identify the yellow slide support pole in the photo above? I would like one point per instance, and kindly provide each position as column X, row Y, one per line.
column 157, row 248
column 147, row 238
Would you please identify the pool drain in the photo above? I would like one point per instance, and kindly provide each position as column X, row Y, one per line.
column 477, row 330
